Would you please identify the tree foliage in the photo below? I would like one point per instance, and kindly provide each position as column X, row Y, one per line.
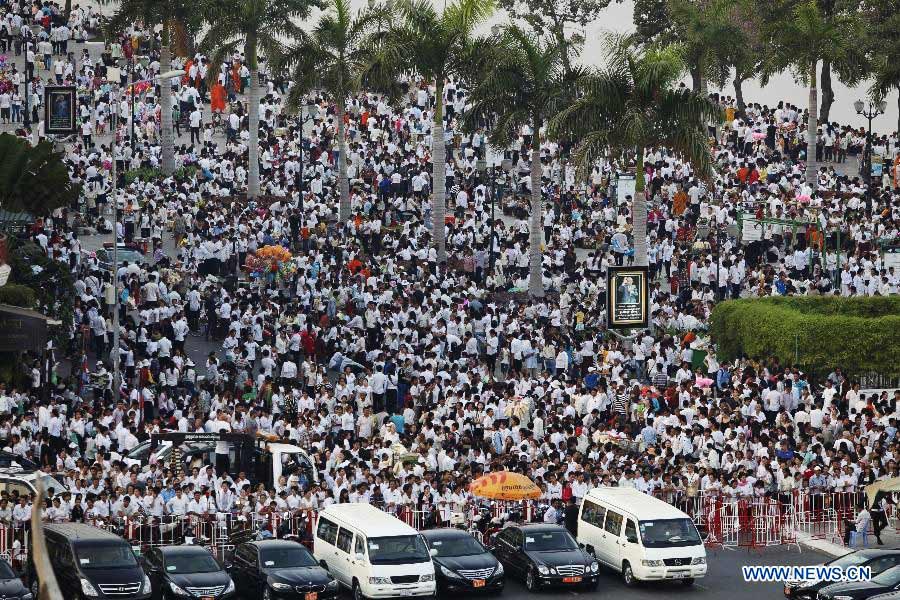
column 33, row 179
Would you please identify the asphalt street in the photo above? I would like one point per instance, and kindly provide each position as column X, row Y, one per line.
column 724, row 580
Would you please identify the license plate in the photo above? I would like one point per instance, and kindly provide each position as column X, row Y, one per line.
column 406, row 592
column 311, row 596
column 207, row 598
column 571, row 579
column 677, row 575
column 478, row 583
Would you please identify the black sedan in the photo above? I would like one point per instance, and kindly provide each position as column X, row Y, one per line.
column 545, row 555
column 461, row 563
column 877, row 560
column 280, row 569
column 11, row 587
column 187, row 571
column 886, row 581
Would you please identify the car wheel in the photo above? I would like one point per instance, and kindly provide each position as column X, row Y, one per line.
column 357, row 592
column 531, row 581
column 628, row 574
column 688, row 581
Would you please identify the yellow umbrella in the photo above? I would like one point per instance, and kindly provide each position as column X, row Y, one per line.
column 505, row 485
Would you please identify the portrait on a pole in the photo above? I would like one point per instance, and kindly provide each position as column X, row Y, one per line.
column 628, row 293
column 60, row 110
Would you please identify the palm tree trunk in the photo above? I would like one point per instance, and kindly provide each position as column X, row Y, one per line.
column 253, row 122
column 438, row 174
column 535, row 244
column 827, row 92
column 639, row 214
column 739, row 94
column 344, row 183
column 166, row 130
column 811, row 127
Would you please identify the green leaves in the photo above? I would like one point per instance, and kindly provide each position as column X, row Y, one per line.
column 33, row 179
column 816, row 333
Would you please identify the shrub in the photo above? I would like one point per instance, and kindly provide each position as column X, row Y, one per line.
column 816, row 333
column 17, row 295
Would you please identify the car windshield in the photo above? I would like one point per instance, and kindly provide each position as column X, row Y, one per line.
column 849, row 560
column 140, row 452
column 397, row 549
column 111, row 556
column 287, row 558
column 888, row 578
column 124, row 255
column 669, row 533
column 200, row 562
column 545, row 541
column 6, row 571
column 463, row 545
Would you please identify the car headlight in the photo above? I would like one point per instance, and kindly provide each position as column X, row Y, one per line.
column 543, row 570
column 230, row 587
column 499, row 569
column 552, row 571
column 426, row 577
column 379, row 581
column 177, row 590
column 699, row 560
column 448, row 573
column 27, row 596
column 595, row 566
column 148, row 587
column 87, row 588
column 652, row 563
column 332, row 585
column 843, row 598
column 281, row 587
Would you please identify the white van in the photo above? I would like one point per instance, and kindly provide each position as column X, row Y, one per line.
column 373, row 553
column 640, row 536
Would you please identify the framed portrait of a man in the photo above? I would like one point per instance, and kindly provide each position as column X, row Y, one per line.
column 60, row 110
column 627, row 302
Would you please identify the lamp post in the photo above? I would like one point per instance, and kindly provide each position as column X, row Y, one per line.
column 306, row 115
column 117, row 373
column 869, row 111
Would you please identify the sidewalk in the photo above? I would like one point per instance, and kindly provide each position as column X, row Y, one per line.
column 890, row 536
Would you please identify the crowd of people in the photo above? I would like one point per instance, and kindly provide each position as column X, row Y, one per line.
column 366, row 343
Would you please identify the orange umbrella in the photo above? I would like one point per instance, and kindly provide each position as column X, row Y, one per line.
column 505, row 485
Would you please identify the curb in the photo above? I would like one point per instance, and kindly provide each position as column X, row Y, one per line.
column 824, row 546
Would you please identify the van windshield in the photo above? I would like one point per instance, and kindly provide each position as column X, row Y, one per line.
column 669, row 533
column 111, row 556
column 400, row 549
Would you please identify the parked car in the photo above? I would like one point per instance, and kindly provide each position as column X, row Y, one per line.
column 545, row 555
column 24, row 480
column 280, row 569
column 90, row 562
column 886, row 581
column 187, row 571
column 11, row 586
column 877, row 560
column 462, row 563
column 10, row 460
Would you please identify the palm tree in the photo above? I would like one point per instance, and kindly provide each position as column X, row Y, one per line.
column 173, row 16
column 331, row 58
column 433, row 45
column 799, row 43
column 633, row 104
column 253, row 26
column 33, row 179
column 524, row 84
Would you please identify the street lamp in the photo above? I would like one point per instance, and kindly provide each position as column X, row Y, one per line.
column 506, row 167
column 117, row 374
column 870, row 111
column 306, row 115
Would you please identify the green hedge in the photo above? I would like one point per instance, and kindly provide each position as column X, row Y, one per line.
column 17, row 295
column 816, row 333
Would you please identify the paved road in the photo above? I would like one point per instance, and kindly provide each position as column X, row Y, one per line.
column 724, row 580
